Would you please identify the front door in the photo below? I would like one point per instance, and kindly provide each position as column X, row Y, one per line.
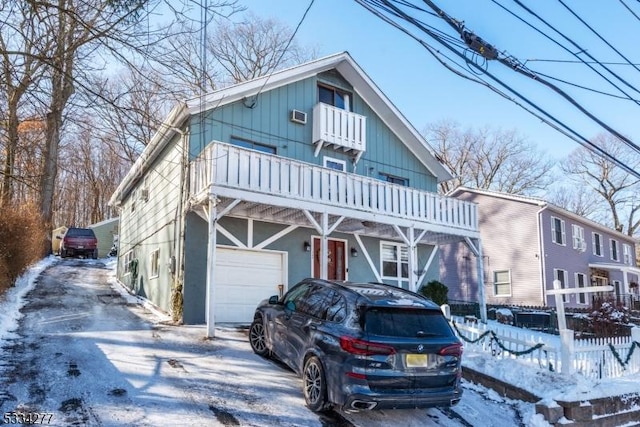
column 337, row 259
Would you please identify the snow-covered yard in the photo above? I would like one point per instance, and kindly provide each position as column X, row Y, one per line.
column 76, row 345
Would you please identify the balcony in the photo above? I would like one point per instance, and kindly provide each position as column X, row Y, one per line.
column 339, row 129
column 234, row 172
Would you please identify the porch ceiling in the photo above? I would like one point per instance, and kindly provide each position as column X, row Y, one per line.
column 380, row 228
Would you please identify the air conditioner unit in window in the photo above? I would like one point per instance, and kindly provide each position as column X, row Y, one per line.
column 298, row 116
column 144, row 194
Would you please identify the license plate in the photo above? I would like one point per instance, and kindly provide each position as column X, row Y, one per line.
column 80, row 247
column 417, row 360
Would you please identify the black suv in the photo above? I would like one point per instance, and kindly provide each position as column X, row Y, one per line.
column 79, row 242
column 361, row 345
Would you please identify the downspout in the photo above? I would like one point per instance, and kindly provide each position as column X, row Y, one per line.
column 543, row 277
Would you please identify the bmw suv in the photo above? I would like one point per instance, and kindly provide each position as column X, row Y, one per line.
column 361, row 346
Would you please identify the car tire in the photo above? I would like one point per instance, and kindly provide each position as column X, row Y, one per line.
column 257, row 339
column 63, row 253
column 314, row 385
column 94, row 255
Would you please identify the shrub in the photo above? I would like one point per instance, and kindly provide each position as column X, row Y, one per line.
column 22, row 242
column 436, row 292
column 608, row 318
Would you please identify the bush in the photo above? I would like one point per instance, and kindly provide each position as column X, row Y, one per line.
column 608, row 318
column 22, row 242
column 436, row 292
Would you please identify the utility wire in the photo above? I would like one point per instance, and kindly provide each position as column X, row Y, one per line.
column 598, row 35
column 587, row 63
column 545, row 116
column 581, row 49
column 629, row 9
column 517, row 66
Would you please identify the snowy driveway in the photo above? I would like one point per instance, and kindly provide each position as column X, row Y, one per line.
column 89, row 356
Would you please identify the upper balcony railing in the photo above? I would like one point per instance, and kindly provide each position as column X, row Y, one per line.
column 339, row 128
column 224, row 165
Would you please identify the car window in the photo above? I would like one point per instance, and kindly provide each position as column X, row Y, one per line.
column 85, row 232
column 314, row 302
column 291, row 298
column 337, row 310
column 406, row 323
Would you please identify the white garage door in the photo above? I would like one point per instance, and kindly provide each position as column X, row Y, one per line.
column 244, row 278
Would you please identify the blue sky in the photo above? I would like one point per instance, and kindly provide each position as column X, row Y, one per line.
column 427, row 92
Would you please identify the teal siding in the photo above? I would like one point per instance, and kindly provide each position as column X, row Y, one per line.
column 268, row 123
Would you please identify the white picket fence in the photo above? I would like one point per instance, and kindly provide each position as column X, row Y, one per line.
column 593, row 358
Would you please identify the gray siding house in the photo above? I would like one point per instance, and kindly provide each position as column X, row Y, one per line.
column 528, row 243
column 308, row 172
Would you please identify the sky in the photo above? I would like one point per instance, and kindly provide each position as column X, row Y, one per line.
column 426, row 92
column 116, row 349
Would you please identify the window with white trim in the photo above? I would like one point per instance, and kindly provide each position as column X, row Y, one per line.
column 502, row 283
column 626, row 254
column 577, row 233
column 561, row 275
column 154, row 264
column 557, row 231
column 597, row 243
column 581, row 282
column 126, row 262
column 613, row 249
column 334, row 96
column 337, row 164
column 394, row 259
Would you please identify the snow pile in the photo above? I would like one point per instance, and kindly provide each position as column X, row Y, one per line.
column 13, row 300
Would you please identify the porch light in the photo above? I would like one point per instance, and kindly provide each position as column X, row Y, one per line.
column 354, row 251
column 307, row 247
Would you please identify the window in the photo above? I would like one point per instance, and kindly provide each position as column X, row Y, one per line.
column 253, row 145
column 597, row 244
column 337, row 310
column 154, row 264
column 336, row 97
column 393, row 179
column 557, row 231
column 626, row 253
column 581, row 280
column 577, row 232
column 395, row 261
column 614, row 249
column 561, row 275
column 502, row 283
column 337, row 164
column 126, row 262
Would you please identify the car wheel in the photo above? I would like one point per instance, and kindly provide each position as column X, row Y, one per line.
column 315, row 386
column 257, row 339
column 94, row 255
column 63, row 253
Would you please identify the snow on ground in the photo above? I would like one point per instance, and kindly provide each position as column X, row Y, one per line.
column 248, row 375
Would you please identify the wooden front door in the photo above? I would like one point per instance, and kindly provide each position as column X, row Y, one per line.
column 337, row 259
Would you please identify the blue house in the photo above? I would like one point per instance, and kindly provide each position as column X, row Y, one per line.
column 307, row 172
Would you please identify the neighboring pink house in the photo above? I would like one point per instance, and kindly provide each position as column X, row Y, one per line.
column 527, row 243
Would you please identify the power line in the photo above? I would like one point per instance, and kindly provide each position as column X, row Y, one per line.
column 546, row 117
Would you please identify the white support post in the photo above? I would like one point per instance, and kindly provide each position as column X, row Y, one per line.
column 567, row 350
column 324, row 247
column 211, row 265
column 413, row 260
column 562, row 320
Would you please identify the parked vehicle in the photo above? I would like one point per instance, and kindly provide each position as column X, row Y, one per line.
column 79, row 242
column 361, row 346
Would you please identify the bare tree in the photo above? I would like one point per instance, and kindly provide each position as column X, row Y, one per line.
column 619, row 190
column 490, row 159
column 583, row 203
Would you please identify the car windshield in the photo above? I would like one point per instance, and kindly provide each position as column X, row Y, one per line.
column 405, row 322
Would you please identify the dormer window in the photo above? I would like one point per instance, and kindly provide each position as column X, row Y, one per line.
column 333, row 96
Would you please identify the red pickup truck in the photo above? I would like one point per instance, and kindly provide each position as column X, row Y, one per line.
column 79, row 242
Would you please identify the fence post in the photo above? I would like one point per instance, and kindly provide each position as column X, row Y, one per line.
column 567, row 351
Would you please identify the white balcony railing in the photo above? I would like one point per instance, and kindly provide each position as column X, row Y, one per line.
column 228, row 166
column 339, row 128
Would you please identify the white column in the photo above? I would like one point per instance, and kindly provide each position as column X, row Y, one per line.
column 211, row 264
column 481, row 296
column 324, row 247
column 413, row 260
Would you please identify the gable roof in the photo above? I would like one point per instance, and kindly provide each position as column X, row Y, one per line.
column 342, row 62
column 362, row 85
column 544, row 205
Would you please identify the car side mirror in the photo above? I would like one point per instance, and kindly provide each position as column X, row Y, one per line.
column 273, row 299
